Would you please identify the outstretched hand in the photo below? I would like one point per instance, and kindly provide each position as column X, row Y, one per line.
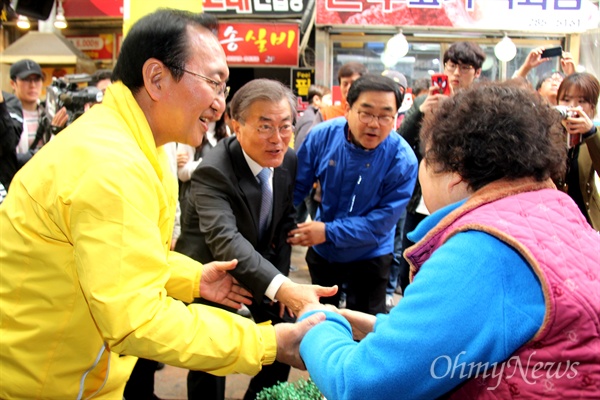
column 289, row 337
column 220, row 287
column 295, row 296
column 362, row 323
column 307, row 234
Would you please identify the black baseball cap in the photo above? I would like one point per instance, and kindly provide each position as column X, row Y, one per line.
column 24, row 68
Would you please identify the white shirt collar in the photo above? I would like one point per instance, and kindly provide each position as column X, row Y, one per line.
column 254, row 166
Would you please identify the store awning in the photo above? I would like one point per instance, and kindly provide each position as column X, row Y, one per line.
column 47, row 48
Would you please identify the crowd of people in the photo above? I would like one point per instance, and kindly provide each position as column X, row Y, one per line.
column 136, row 234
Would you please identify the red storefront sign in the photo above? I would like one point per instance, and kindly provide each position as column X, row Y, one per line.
column 265, row 44
column 97, row 47
column 521, row 15
column 93, row 8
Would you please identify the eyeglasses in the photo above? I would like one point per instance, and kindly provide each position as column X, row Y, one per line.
column 463, row 68
column 266, row 131
column 221, row 88
column 366, row 118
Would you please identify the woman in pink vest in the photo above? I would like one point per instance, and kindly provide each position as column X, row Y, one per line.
column 505, row 293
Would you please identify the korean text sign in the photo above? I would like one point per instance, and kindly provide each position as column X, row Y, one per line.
column 567, row 16
column 261, row 44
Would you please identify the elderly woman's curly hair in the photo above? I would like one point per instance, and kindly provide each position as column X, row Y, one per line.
column 495, row 131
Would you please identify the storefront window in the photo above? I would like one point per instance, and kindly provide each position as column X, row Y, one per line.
column 425, row 59
column 422, row 60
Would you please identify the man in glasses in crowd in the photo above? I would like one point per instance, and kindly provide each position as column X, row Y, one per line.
column 462, row 65
column 88, row 280
column 367, row 172
column 240, row 207
column 26, row 80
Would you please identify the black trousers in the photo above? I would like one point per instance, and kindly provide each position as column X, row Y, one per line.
column 365, row 280
column 204, row 386
column 140, row 385
column 410, row 223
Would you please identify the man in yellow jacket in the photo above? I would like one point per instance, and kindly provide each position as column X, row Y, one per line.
column 87, row 279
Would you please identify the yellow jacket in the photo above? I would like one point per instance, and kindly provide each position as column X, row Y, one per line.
column 86, row 276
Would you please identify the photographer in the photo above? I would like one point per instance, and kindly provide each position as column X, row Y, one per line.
column 579, row 92
column 26, row 78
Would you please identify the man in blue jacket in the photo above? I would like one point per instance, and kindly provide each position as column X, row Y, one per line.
column 367, row 173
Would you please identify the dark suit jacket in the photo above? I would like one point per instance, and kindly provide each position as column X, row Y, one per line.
column 220, row 221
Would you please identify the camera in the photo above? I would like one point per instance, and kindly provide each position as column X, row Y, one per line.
column 565, row 112
column 65, row 92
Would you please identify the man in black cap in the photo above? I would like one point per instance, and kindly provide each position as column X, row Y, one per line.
column 26, row 79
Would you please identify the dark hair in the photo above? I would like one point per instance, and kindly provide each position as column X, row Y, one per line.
column 421, row 85
column 260, row 90
column 373, row 83
column 100, row 75
column 162, row 35
column 547, row 76
column 586, row 84
column 317, row 90
column 351, row 68
column 466, row 53
column 493, row 131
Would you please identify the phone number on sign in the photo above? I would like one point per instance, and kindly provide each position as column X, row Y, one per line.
column 554, row 23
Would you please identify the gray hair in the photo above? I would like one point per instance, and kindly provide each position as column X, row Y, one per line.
column 260, row 90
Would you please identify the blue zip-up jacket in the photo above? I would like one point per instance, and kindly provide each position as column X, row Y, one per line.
column 364, row 191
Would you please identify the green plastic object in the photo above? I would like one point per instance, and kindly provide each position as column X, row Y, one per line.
column 299, row 390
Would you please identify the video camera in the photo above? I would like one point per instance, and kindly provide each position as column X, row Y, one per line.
column 65, row 92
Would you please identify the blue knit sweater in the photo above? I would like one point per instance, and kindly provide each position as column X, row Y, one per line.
column 475, row 300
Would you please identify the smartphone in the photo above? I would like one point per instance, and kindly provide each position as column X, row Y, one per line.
column 552, row 52
column 441, row 82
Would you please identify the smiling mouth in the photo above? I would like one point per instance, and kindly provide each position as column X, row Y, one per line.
column 205, row 122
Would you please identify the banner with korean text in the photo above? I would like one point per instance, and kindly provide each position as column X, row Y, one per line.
column 564, row 16
column 264, row 44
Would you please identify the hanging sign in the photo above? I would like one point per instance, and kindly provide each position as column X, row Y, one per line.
column 97, row 47
column 301, row 79
column 262, row 8
column 259, row 44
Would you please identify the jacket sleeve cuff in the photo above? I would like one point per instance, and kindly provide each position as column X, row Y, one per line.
column 270, row 341
column 184, row 279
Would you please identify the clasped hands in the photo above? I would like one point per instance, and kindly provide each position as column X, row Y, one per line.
column 218, row 286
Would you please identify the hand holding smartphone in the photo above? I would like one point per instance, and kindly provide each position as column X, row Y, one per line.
column 552, row 52
column 441, row 82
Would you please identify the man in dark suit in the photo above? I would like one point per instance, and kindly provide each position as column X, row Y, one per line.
column 230, row 213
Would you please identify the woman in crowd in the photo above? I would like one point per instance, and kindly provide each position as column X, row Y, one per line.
column 504, row 294
column 579, row 93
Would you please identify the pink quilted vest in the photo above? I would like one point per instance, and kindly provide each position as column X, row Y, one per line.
column 545, row 226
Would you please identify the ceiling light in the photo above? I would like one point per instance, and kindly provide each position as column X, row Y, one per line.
column 505, row 50
column 59, row 21
column 23, row 22
column 395, row 49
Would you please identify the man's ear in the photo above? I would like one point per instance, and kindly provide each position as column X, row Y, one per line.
column 477, row 73
column 347, row 111
column 236, row 126
column 154, row 73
